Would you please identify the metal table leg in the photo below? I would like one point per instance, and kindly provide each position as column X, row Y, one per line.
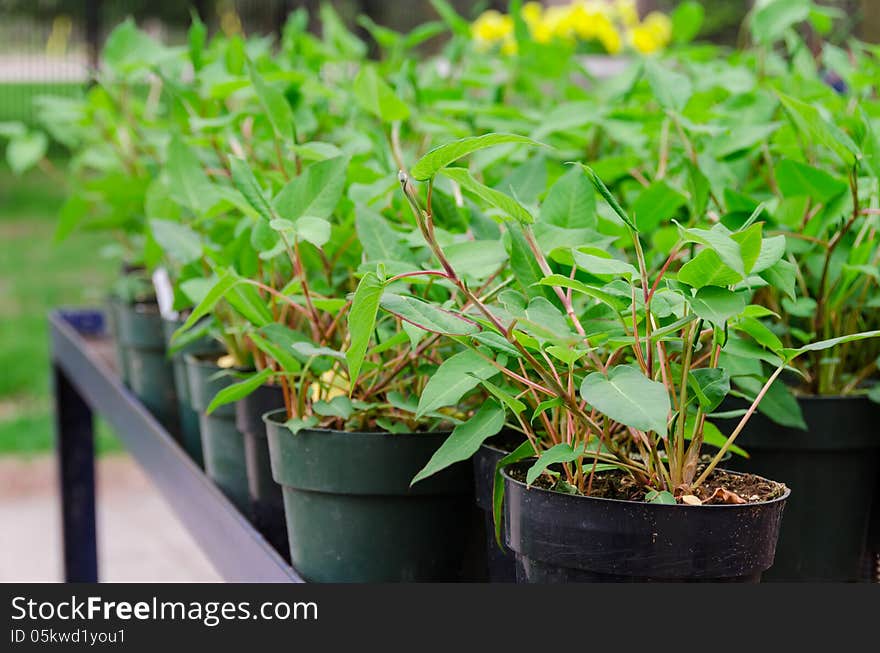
column 76, row 460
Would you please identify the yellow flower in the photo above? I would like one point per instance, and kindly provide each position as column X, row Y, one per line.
column 659, row 25
column 532, row 13
column 643, row 39
column 583, row 19
column 627, row 12
column 491, row 27
column 609, row 37
column 509, row 46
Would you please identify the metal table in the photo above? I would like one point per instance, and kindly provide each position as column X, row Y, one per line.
column 85, row 382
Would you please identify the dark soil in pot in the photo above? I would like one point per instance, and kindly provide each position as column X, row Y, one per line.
column 267, row 502
column 833, row 469
column 500, row 562
column 222, row 442
column 190, row 435
column 560, row 537
column 353, row 517
column 144, row 362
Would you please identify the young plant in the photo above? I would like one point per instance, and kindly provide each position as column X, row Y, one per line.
column 609, row 364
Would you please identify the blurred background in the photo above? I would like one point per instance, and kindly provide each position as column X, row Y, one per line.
column 50, row 47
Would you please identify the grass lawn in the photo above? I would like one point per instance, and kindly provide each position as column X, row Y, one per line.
column 37, row 274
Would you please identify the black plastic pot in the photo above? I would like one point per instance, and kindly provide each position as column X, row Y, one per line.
column 267, row 503
column 352, row 515
column 833, row 469
column 190, row 436
column 500, row 562
column 560, row 538
column 145, row 366
column 222, row 442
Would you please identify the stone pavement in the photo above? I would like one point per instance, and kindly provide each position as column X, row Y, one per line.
column 139, row 538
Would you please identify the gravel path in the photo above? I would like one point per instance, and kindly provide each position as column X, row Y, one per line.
column 139, row 538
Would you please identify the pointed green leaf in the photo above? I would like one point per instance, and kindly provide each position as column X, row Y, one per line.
column 440, row 157
column 465, row 439
column 627, row 396
column 455, row 377
column 362, row 321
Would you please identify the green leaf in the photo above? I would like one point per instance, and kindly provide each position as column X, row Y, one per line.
column 224, row 283
column 612, row 201
column 629, row 397
column 672, row 89
column 718, row 305
column 178, row 241
column 782, row 275
column 719, row 240
column 502, row 395
column 362, row 321
column 340, row 406
column 248, row 303
column 660, row 496
column 706, row 269
column 770, row 20
column 196, row 37
column 799, row 179
column 440, row 157
column 238, row 390
column 476, row 258
column 315, row 193
column 276, row 341
column 378, row 239
column 275, row 105
column 658, row 203
column 244, row 180
column 465, row 439
column 455, row 377
column 75, row 208
column 495, row 198
column 687, row 19
column 821, row 345
column 570, row 202
column 455, row 22
column 815, row 129
column 523, row 451
column 759, row 332
column 377, row 97
column 427, row 316
column 187, row 180
column 710, row 385
column 750, row 242
column 559, row 453
column 313, row 230
column 778, row 404
column 561, row 281
column 24, row 152
column 604, row 264
column 544, row 406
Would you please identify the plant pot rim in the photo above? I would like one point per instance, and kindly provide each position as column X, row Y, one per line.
column 801, row 396
column 677, row 506
column 270, row 418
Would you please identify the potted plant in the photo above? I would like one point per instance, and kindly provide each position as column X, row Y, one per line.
column 622, row 405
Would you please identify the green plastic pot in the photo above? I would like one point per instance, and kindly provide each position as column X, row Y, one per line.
column 149, row 373
column 190, row 434
column 833, row 470
column 353, row 517
column 114, row 307
column 222, row 442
